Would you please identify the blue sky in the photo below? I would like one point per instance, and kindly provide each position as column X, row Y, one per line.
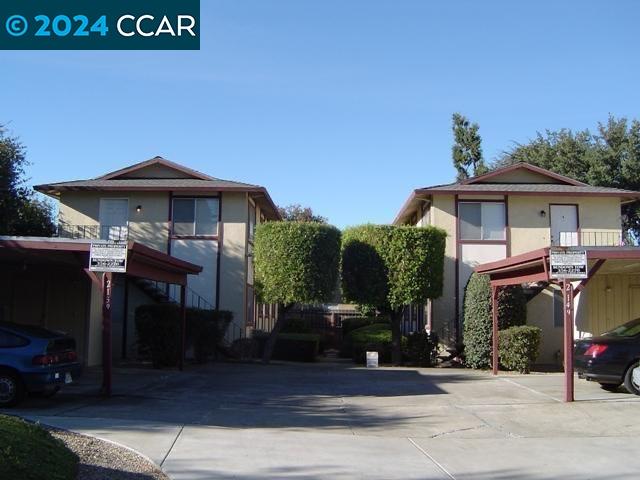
column 341, row 105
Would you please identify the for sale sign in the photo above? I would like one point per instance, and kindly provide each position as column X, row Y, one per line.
column 108, row 257
column 568, row 263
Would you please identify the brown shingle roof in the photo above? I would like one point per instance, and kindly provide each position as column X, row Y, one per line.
column 540, row 188
column 146, row 184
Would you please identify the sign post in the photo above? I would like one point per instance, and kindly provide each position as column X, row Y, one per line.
column 566, row 264
column 107, row 257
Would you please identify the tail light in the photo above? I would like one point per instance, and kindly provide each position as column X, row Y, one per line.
column 596, row 350
column 55, row 358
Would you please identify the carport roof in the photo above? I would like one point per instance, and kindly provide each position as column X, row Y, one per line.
column 142, row 261
column 533, row 266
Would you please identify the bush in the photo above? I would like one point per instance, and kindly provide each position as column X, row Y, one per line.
column 477, row 330
column 421, row 348
column 29, row 452
column 158, row 329
column 206, row 330
column 297, row 347
column 353, row 323
column 519, row 347
column 372, row 338
column 296, row 262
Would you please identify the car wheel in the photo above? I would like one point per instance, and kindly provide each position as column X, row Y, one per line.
column 11, row 389
column 632, row 379
column 610, row 387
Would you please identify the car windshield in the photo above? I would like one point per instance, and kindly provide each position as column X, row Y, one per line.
column 629, row 329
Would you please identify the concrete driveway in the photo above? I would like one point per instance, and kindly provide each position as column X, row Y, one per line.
column 294, row 421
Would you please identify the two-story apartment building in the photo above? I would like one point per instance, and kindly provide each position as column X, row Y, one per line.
column 177, row 211
column 511, row 211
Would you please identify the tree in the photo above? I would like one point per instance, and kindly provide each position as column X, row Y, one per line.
column 298, row 213
column 467, row 148
column 478, row 318
column 295, row 262
column 21, row 213
column 608, row 158
column 391, row 267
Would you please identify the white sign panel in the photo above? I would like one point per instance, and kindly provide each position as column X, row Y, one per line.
column 568, row 263
column 108, row 257
column 372, row 359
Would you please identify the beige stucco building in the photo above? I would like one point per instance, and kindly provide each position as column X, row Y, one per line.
column 174, row 210
column 518, row 209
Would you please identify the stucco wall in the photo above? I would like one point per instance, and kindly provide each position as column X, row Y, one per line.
column 149, row 226
column 233, row 255
column 529, row 230
column 444, row 308
column 540, row 314
column 521, row 176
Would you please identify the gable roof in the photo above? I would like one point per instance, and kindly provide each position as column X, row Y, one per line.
column 495, row 174
column 182, row 179
column 483, row 184
column 157, row 160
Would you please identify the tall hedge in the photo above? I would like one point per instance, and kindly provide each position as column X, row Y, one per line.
column 295, row 262
column 478, row 318
column 390, row 267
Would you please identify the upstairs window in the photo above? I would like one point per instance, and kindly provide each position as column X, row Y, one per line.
column 482, row 221
column 195, row 217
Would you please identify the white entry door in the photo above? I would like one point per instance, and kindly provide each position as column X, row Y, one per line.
column 114, row 218
column 564, row 225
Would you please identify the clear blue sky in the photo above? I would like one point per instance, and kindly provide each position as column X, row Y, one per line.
column 341, row 105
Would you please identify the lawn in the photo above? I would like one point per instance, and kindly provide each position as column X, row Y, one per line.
column 28, row 452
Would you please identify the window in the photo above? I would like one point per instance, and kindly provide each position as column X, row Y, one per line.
column 195, row 216
column 9, row 340
column 482, row 220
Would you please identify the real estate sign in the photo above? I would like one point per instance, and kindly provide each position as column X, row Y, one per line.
column 567, row 263
column 108, row 257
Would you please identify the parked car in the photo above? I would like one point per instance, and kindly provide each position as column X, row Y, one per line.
column 34, row 360
column 611, row 359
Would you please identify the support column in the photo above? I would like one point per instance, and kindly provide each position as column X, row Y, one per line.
column 183, row 324
column 107, row 354
column 494, row 315
column 567, row 291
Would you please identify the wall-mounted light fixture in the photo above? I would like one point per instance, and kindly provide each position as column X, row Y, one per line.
column 608, row 289
column 139, row 208
column 543, row 213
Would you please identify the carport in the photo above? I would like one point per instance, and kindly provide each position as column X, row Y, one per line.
column 533, row 267
column 30, row 257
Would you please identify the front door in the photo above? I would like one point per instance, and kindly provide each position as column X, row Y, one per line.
column 564, row 225
column 114, row 218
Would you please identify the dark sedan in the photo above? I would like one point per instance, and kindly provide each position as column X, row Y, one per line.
column 34, row 360
column 612, row 359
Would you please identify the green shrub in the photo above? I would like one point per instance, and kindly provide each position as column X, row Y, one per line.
column 297, row 347
column 296, row 262
column 421, row 348
column 158, row 328
column 372, row 338
column 353, row 323
column 28, row 452
column 477, row 330
column 519, row 347
column 206, row 330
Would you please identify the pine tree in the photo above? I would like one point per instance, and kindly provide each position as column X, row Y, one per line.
column 467, row 148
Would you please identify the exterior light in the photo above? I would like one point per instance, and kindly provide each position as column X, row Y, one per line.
column 139, row 208
column 543, row 213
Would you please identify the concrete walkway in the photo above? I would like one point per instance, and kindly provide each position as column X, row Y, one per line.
column 335, row 420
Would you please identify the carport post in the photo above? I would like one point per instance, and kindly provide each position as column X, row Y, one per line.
column 494, row 315
column 567, row 290
column 183, row 324
column 107, row 359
